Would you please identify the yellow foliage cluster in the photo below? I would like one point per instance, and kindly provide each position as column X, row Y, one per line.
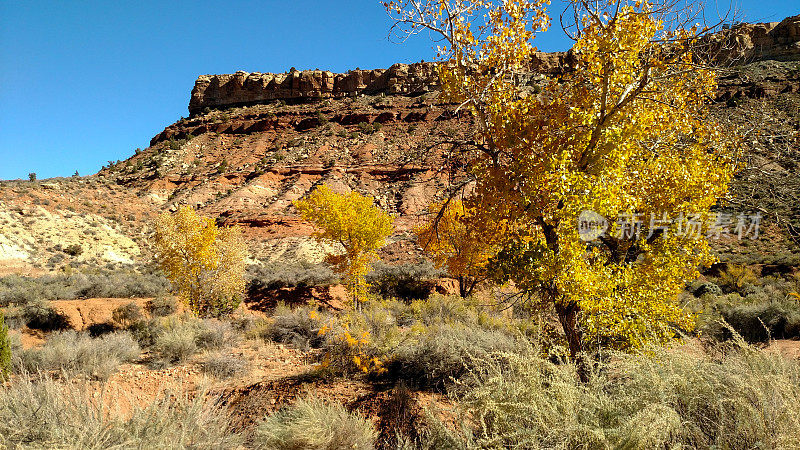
column 354, row 346
column 205, row 263
column 448, row 236
column 354, row 222
column 625, row 133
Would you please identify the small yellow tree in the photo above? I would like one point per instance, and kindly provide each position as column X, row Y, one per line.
column 459, row 242
column 352, row 221
column 204, row 263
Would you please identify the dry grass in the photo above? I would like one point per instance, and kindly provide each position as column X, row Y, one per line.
column 660, row 399
column 44, row 413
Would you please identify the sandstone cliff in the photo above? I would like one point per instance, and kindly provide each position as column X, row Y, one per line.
column 743, row 43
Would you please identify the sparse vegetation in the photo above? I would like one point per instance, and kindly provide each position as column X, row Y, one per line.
column 664, row 399
column 45, row 413
column 79, row 354
column 20, row 290
column 224, row 365
column 312, row 423
column 176, row 339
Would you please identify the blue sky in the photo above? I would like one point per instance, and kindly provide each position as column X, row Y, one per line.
column 85, row 82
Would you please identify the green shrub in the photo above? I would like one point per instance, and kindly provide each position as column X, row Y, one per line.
column 78, row 353
column 315, row 425
column 707, row 288
column 403, row 281
column 40, row 315
column 5, row 349
column 274, row 275
column 758, row 322
column 365, row 127
column 445, row 353
column 46, row 414
column 161, row 306
column 661, row 399
column 296, row 327
column 176, row 340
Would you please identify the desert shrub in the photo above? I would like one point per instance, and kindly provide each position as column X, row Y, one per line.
column 707, row 288
column 176, row 340
column 175, row 344
column 299, row 327
column 19, row 290
column 662, row 399
column 15, row 317
column 446, row 353
column 5, row 349
column 78, row 353
column 366, row 127
column 146, row 331
column 315, row 425
column 223, row 365
column 214, row 334
column 735, row 277
column 161, row 306
column 274, row 275
column 40, row 315
column 426, row 343
column 127, row 314
column 73, row 250
column 46, row 414
column 403, row 281
column 119, row 284
column 759, row 321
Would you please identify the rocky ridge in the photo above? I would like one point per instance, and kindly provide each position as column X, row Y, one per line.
column 741, row 44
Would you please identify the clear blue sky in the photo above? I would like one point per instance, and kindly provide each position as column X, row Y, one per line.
column 85, row 82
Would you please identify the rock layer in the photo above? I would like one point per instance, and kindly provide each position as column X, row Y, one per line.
column 743, row 43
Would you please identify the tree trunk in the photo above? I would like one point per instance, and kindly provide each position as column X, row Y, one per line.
column 568, row 316
column 466, row 285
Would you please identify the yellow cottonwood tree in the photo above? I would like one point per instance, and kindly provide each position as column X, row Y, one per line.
column 459, row 242
column 625, row 132
column 205, row 263
column 352, row 221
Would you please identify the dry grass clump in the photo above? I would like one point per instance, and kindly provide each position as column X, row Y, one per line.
column 224, row 365
column 660, row 399
column 313, row 424
column 176, row 339
column 79, row 354
column 44, row 413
